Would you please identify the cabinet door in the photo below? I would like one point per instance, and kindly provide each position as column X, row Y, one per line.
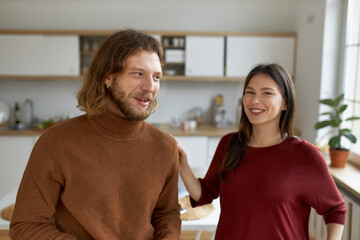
column 244, row 52
column 213, row 142
column 204, row 56
column 61, row 55
column 39, row 55
column 14, row 155
column 355, row 221
column 195, row 148
column 21, row 54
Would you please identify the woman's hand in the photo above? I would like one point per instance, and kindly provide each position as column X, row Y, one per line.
column 183, row 161
column 191, row 183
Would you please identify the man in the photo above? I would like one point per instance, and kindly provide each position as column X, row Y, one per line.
column 106, row 174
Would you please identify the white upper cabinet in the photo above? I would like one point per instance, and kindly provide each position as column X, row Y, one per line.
column 244, row 52
column 204, row 56
column 61, row 55
column 36, row 54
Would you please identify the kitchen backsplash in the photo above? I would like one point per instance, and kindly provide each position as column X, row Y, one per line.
column 177, row 100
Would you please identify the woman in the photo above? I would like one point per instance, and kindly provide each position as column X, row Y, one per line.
column 266, row 178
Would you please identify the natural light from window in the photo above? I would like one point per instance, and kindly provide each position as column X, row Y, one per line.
column 352, row 69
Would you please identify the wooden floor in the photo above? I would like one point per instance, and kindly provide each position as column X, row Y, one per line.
column 191, row 235
column 185, row 235
column 4, row 235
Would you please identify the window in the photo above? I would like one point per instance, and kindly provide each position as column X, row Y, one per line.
column 351, row 74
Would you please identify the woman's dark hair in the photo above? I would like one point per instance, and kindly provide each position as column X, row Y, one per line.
column 239, row 141
column 109, row 59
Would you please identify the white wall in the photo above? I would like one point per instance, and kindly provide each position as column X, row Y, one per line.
column 309, row 19
column 305, row 17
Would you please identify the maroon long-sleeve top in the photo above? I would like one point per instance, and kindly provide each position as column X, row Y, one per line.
column 270, row 194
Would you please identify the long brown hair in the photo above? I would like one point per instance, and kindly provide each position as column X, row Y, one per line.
column 110, row 59
column 239, row 141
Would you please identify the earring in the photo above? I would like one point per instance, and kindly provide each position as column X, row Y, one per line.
column 107, row 86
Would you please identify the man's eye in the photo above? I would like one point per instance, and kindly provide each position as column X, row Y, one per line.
column 139, row 74
column 157, row 78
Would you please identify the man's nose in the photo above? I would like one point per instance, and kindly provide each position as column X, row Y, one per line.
column 148, row 84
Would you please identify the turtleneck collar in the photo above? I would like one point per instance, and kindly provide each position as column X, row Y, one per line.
column 115, row 127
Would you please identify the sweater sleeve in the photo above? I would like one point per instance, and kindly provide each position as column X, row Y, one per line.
column 320, row 191
column 211, row 182
column 38, row 195
column 166, row 215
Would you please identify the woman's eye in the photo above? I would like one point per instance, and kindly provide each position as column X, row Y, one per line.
column 249, row 92
column 267, row 93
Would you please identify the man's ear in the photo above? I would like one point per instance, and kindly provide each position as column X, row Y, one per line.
column 107, row 81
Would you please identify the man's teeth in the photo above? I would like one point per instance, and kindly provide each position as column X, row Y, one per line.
column 256, row 110
column 143, row 99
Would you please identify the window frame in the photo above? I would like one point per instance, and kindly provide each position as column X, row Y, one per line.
column 355, row 155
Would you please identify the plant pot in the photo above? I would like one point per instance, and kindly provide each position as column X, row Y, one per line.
column 339, row 157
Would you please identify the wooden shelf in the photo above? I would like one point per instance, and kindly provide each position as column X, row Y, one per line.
column 202, row 79
column 163, row 78
column 39, row 77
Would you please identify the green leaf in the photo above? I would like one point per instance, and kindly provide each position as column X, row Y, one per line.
column 322, row 124
column 335, row 122
column 342, row 108
column 328, row 102
column 339, row 99
column 345, row 130
column 326, row 113
column 334, row 142
column 352, row 118
column 349, row 136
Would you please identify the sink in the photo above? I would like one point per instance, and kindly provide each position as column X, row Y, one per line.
column 18, row 127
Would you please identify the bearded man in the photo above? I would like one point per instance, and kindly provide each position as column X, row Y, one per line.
column 106, row 174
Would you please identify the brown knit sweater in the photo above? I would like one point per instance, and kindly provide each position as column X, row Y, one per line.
column 99, row 177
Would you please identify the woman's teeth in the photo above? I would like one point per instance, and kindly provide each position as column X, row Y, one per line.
column 256, row 110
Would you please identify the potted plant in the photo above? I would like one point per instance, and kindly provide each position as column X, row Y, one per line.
column 338, row 153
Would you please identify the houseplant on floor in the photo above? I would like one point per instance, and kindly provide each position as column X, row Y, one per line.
column 338, row 153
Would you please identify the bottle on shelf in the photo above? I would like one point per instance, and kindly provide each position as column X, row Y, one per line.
column 17, row 113
column 219, row 112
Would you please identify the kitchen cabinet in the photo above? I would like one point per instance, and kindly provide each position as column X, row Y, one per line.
column 213, row 142
column 204, row 56
column 15, row 152
column 244, row 52
column 39, row 55
column 317, row 227
column 189, row 56
column 195, row 148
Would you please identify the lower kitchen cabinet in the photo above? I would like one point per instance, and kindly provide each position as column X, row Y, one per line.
column 14, row 154
column 195, row 148
column 317, row 227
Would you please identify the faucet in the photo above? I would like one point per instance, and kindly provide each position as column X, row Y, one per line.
column 31, row 104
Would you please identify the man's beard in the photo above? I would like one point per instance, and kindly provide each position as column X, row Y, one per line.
column 117, row 96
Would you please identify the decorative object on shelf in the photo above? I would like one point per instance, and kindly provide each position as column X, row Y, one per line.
column 219, row 112
column 338, row 153
column 4, row 113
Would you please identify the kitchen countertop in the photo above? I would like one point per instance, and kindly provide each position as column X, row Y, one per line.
column 202, row 130
column 348, row 178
